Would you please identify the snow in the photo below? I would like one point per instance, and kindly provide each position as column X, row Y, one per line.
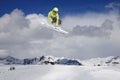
column 45, row 23
column 39, row 60
column 109, row 69
column 107, row 61
column 59, row 72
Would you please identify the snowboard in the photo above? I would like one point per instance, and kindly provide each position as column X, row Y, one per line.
column 58, row 29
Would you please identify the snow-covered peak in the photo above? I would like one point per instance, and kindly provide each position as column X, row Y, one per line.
column 108, row 61
column 39, row 60
column 50, row 58
column 112, row 60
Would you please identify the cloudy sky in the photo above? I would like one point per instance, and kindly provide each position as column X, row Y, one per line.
column 93, row 28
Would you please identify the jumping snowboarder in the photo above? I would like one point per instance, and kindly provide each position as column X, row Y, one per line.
column 53, row 17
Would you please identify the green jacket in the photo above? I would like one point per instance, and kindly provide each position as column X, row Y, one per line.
column 51, row 15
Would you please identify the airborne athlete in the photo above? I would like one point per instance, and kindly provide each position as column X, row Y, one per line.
column 53, row 17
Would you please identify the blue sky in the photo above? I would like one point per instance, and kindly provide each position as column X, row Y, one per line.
column 44, row 6
column 93, row 27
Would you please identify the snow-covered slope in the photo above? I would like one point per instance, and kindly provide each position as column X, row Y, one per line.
column 108, row 61
column 93, row 69
column 59, row 72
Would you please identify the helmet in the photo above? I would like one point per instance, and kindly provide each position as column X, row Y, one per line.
column 55, row 9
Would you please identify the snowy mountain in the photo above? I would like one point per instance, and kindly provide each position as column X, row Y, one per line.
column 39, row 60
column 10, row 60
column 108, row 61
column 44, row 60
column 93, row 69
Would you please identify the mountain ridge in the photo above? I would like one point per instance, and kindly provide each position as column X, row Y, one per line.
column 45, row 60
column 9, row 60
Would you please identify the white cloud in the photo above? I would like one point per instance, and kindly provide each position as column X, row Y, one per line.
column 27, row 36
column 3, row 53
column 94, row 31
column 13, row 22
column 17, row 30
column 113, row 5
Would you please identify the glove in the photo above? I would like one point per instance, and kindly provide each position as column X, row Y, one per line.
column 56, row 25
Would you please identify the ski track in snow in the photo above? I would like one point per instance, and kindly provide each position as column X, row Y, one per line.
column 59, row 72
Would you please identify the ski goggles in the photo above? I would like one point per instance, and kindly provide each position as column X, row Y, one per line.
column 55, row 11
